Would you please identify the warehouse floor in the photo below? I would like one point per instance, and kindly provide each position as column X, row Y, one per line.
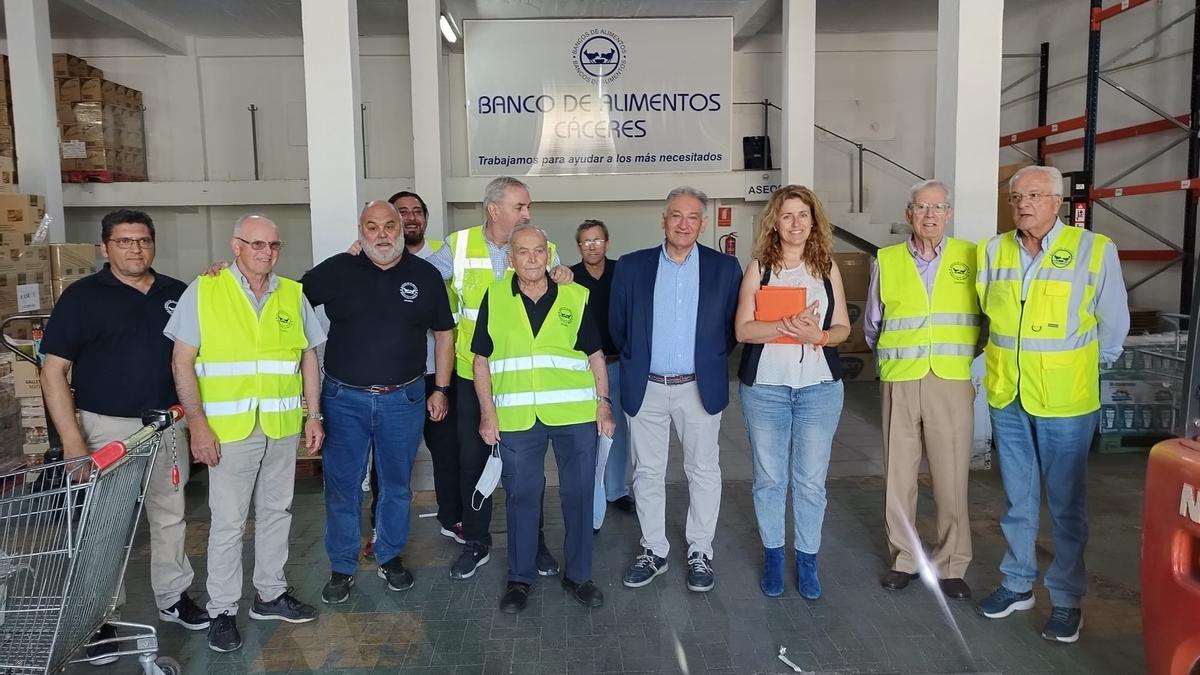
column 445, row 626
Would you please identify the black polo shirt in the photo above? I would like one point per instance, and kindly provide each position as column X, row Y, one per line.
column 586, row 341
column 378, row 318
column 599, row 291
column 113, row 335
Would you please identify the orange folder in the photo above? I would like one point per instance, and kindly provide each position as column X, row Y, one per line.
column 772, row 303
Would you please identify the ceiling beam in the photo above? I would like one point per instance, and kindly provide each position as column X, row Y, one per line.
column 750, row 17
column 125, row 13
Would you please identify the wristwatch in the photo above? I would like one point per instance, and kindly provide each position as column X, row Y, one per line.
column 316, row 416
column 604, row 399
column 444, row 388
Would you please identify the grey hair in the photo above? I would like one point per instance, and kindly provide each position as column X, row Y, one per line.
column 691, row 192
column 1052, row 173
column 925, row 185
column 495, row 190
column 237, row 226
column 378, row 202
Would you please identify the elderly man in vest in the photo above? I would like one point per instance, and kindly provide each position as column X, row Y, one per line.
column 472, row 260
column 1057, row 309
column 922, row 320
column 245, row 343
column 540, row 375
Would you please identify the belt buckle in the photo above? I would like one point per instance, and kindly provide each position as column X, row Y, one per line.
column 376, row 390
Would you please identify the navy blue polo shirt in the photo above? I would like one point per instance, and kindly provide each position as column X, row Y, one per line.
column 113, row 335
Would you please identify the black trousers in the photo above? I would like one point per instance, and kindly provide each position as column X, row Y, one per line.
column 442, row 440
column 472, row 457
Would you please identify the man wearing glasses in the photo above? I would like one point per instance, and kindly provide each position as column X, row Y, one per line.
column 1057, row 308
column 106, row 334
column 595, row 273
column 922, row 319
column 245, row 352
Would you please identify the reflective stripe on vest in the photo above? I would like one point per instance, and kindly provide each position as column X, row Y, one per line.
column 919, row 333
column 472, row 274
column 248, row 367
column 1044, row 348
column 539, row 378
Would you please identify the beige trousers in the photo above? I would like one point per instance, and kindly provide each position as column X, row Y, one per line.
column 170, row 571
column 935, row 417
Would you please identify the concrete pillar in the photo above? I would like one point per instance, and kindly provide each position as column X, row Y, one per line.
column 799, row 87
column 967, row 145
column 35, row 122
column 428, row 98
column 331, row 98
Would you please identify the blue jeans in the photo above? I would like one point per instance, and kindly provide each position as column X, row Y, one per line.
column 616, row 471
column 1053, row 450
column 356, row 421
column 791, row 435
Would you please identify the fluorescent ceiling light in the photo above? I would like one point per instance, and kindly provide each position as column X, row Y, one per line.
column 447, row 29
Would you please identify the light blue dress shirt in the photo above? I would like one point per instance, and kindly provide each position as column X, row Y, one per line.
column 676, row 298
column 1111, row 301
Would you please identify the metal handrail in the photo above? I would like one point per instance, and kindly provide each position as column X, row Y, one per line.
column 864, row 150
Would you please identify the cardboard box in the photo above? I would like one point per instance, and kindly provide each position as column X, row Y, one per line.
column 69, row 65
column 72, row 260
column 857, row 341
column 67, row 90
column 856, row 273
column 21, row 212
column 93, row 71
column 58, row 285
column 6, row 174
column 25, row 380
column 859, row 367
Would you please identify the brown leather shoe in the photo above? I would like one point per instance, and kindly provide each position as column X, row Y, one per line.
column 897, row 581
column 956, row 589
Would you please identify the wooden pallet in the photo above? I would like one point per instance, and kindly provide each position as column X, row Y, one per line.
column 100, row 177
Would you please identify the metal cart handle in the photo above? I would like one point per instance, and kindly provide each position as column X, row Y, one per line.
column 7, row 342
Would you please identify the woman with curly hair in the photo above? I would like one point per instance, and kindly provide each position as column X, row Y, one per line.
column 791, row 388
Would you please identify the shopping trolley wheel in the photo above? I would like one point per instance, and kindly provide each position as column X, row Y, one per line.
column 166, row 665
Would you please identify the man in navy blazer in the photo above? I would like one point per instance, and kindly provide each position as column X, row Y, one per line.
column 671, row 317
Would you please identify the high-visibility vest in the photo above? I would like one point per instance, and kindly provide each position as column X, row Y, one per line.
column 249, row 364
column 918, row 332
column 539, row 377
column 1045, row 348
column 469, row 281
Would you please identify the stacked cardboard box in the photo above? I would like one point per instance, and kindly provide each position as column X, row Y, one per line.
column 70, row 263
column 100, row 121
column 858, row 361
column 7, row 174
column 1141, row 394
column 24, row 266
column 11, row 434
column 6, row 133
column 28, row 391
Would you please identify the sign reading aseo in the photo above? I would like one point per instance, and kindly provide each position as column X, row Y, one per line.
column 582, row 96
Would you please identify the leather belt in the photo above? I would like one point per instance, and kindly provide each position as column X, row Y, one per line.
column 670, row 380
column 379, row 389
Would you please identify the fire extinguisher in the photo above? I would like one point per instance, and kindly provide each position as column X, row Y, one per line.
column 728, row 243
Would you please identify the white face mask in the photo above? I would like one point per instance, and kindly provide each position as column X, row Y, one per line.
column 489, row 479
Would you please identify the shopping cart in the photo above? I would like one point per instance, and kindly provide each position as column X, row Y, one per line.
column 66, row 530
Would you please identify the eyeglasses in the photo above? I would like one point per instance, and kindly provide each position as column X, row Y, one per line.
column 922, row 207
column 592, row 243
column 259, row 244
column 1016, row 198
column 126, row 242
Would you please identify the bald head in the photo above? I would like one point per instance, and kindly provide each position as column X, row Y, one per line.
column 378, row 233
column 252, row 225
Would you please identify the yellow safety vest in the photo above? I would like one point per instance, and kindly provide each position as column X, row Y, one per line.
column 539, row 377
column 470, row 280
column 435, row 245
column 249, row 364
column 1045, row 348
column 920, row 333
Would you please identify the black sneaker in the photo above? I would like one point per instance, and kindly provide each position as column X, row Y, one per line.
column 397, row 578
column 102, row 655
column 284, row 608
column 700, row 573
column 1063, row 625
column 185, row 613
column 645, row 567
column 223, row 635
column 474, row 554
column 337, row 589
column 547, row 566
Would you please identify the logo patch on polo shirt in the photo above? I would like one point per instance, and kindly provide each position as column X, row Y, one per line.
column 565, row 316
column 170, row 306
column 284, row 320
column 408, row 291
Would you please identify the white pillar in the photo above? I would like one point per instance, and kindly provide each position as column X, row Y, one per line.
column 331, row 98
column 967, row 145
column 427, row 97
column 799, row 87
column 35, row 122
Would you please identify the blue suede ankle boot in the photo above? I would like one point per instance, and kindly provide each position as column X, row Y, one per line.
column 772, row 578
column 806, row 575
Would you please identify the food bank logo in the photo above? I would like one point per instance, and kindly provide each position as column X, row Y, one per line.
column 599, row 56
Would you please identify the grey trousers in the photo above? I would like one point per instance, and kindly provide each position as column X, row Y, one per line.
column 170, row 571
column 265, row 469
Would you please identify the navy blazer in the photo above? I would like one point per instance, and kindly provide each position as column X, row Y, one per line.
column 630, row 320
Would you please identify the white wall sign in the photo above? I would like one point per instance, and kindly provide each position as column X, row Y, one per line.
column 589, row 96
column 761, row 184
column 29, row 298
